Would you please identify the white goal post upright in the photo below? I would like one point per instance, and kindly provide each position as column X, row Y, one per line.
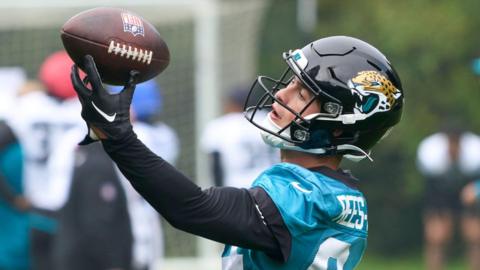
column 207, row 92
column 214, row 47
column 210, row 73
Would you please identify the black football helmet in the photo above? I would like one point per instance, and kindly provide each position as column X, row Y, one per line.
column 359, row 91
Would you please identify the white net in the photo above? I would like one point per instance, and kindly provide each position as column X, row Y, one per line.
column 213, row 47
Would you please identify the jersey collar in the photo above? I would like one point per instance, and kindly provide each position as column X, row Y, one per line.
column 343, row 176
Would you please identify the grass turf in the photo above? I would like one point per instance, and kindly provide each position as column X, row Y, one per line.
column 375, row 262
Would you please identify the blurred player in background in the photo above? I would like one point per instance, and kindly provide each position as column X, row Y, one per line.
column 94, row 230
column 105, row 223
column 14, row 229
column 337, row 98
column 236, row 150
column 147, row 106
column 449, row 160
column 42, row 113
column 471, row 199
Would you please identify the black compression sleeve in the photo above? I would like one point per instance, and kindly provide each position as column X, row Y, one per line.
column 224, row 214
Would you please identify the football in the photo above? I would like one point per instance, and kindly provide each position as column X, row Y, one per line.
column 119, row 41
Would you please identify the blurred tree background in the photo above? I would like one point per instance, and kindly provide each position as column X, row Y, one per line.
column 432, row 45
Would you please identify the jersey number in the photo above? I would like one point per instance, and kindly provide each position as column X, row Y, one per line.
column 332, row 255
column 42, row 132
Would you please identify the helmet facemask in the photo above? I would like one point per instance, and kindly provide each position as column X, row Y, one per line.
column 297, row 132
column 358, row 91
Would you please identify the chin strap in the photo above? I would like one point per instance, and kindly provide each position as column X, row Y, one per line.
column 355, row 158
column 280, row 143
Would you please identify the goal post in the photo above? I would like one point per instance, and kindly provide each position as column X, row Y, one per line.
column 214, row 47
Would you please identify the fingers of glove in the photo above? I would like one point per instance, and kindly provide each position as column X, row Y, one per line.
column 130, row 86
column 133, row 76
column 78, row 85
column 93, row 75
column 87, row 140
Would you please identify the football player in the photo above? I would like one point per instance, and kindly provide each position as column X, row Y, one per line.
column 338, row 97
column 449, row 161
column 43, row 112
column 14, row 248
column 14, row 207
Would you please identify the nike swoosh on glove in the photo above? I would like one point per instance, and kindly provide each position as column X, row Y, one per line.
column 107, row 115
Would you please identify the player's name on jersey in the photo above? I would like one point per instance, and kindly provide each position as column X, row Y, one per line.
column 354, row 213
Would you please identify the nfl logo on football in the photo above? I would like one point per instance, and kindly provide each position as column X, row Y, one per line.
column 132, row 24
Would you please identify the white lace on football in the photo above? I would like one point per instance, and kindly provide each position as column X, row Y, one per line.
column 144, row 56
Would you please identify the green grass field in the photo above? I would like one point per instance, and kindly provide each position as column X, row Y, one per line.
column 373, row 262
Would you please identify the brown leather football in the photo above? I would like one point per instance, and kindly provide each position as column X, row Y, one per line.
column 119, row 41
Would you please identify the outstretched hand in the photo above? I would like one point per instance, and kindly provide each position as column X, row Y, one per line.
column 107, row 115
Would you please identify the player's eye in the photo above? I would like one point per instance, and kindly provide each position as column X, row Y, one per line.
column 292, row 81
column 302, row 94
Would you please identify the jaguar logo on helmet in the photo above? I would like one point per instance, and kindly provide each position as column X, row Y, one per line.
column 374, row 91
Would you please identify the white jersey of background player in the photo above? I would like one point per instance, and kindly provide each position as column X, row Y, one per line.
column 148, row 244
column 236, row 145
column 39, row 119
column 433, row 158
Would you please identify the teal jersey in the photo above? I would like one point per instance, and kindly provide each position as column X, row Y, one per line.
column 326, row 218
column 14, row 228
